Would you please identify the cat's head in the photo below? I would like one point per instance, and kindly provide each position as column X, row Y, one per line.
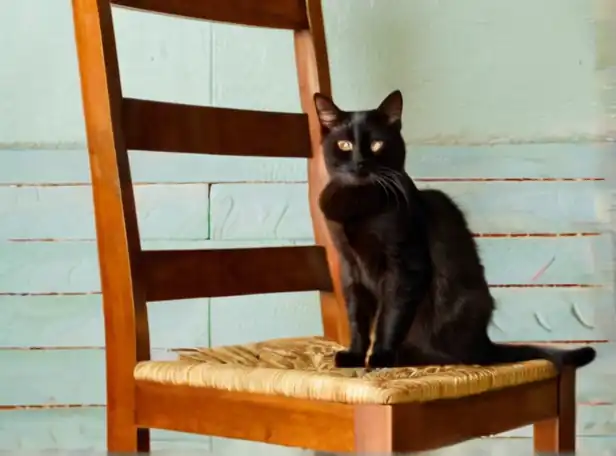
column 359, row 145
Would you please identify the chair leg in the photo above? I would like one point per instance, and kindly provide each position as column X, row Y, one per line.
column 123, row 437
column 374, row 431
column 558, row 435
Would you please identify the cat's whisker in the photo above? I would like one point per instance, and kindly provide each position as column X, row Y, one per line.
column 378, row 181
column 403, row 192
column 382, row 180
column 391, row 187
column 396, row 175
column 394, row 189
column 385, row 185
column 393, row 179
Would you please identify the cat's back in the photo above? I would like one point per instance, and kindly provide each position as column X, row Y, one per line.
column 442, row 212
column 452, row 244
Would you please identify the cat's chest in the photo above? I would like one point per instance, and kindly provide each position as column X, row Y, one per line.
column 365, row 245
column 364, row 238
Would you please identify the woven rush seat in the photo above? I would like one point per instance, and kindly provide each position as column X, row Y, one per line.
column 304, row 368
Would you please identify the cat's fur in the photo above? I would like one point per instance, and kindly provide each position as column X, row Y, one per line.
column 409, row 262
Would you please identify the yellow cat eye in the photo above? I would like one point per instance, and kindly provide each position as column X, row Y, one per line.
column 345, row 145
column 376, row 146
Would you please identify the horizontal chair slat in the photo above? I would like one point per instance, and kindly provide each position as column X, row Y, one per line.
column 187, row 274
column 169, row 127
column 282, row 14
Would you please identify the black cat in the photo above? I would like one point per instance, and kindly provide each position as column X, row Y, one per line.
column 410, row 265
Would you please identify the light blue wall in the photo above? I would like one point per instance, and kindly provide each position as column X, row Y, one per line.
column 509, row 107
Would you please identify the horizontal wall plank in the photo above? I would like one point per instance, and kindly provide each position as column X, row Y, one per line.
column 52, row 267
column 260, row 211
column 60, row 267
column 22, row 384
column 72, row 376
column 253, row 211
column 523, row 207
column 164, row 211
column 510, row 161
column 71, row 166
column 77, row 429
column 531, row 161
column 544, row 314
column 244, row 319
column 76, row 321
column 575, row 260
column 280, row 211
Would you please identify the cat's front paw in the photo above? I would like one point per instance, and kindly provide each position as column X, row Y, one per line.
column 382, row 358
column 346, row 358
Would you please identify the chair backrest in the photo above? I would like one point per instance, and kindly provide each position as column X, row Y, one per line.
column 114, row 124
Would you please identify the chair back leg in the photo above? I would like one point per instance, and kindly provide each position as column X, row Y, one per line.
column 558, row 435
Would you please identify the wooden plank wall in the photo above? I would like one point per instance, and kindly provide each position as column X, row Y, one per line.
column 506, row 109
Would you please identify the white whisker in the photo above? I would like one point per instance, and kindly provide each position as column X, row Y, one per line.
column 378, row 180
column 392, row 177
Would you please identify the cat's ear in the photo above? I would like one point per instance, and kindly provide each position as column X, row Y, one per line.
column 391, row 108
column 329, row 114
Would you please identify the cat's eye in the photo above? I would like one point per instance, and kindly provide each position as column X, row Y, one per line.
column 345, row 145
column 376, row 146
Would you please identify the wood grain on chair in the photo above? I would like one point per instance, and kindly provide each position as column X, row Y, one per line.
column 169, row 127
column 284, row 14
column 185, row 274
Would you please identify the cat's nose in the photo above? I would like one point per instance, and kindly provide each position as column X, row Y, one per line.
column 362, row 168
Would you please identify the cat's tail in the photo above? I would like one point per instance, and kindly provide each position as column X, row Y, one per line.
column 577, row 357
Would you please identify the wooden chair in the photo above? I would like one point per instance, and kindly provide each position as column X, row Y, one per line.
column 286, row 391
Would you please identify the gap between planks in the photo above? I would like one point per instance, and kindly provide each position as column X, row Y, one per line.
column 49, row 406
column 600, row 141
column 477, row 235
column 179, row 349
column 419, row 179
column 508, row 285
column 90, row 406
